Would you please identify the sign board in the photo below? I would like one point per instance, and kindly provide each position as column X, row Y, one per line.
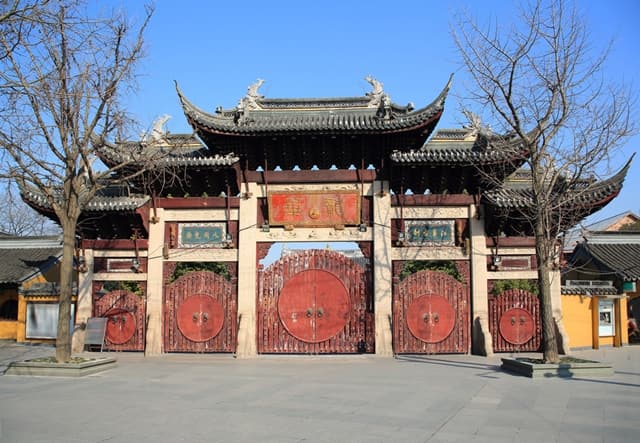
column 314, row 209
column 606, row 318
column 430, row 233
column 198, row 235
column 94, row 334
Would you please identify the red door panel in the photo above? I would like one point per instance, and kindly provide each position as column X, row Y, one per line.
column 517, row 326
column 121, row 325
column 331, row 305
column 200, row 317
column 431, row 318
column 514, row 321
column 431, row 313
column 200, row 313
column 125, row 313
column 314, row 306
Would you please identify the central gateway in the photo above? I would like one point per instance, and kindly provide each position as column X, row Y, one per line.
column 315, row 301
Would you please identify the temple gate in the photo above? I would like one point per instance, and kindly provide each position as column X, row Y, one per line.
column 346, row 169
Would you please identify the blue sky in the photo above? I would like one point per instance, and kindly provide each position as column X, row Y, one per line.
column 325, row 49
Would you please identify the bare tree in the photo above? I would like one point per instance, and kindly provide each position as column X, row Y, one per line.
column 62, row 80
column 19, row 220
column 540, row 81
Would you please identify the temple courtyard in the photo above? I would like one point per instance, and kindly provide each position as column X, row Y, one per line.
column 216, row 398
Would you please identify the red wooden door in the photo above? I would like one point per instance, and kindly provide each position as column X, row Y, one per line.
column 125, row 313
column 430, row 314
column 200, row 314
column 514, row 321
column 315, row 301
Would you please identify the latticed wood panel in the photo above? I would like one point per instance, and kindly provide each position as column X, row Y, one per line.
column 514, row 321
column 315, row 302
column 200, row 313
column 430, row 314
column 125, row 313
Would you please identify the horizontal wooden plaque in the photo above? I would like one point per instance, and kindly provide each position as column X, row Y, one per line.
column 314, row 208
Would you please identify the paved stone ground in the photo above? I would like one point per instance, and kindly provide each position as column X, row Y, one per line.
column 205, row 398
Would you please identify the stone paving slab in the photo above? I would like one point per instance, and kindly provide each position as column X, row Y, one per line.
column 216, row 398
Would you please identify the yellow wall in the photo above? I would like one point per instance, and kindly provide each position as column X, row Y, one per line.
column 577, row 311
column 8, row 329
column 576, row 316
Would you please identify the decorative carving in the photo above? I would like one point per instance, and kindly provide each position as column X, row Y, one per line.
column 377, row 94
column 250, row 101
column 476, row 125
column 378, row 98
column 306, row 188
column 158, row 131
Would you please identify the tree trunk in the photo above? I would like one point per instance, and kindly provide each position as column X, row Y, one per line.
column 549, row 342
column 63, row 339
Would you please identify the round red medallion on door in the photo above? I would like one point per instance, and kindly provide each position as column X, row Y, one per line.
column 431, row 318
column 121, row 325
column 200, row 317
column 517, row 326
column 314, row 306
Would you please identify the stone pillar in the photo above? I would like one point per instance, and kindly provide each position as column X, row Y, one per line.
column 481, row 340
column 247, row 262
column 155, row 285
column 84, row 303
column 382, row 270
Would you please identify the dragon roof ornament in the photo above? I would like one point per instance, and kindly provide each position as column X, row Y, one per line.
column 250, row 101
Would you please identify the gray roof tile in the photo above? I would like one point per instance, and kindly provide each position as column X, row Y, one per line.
column 620, row 258
column 18, row 264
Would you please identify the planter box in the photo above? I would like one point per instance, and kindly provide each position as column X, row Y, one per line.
column 52, row 369
column 532, row 369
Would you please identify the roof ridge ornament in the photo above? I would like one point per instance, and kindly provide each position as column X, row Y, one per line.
column 378, row 98
column 250, row 101
column 475, row 124
column 158, row 130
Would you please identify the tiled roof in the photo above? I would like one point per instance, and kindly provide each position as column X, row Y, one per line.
column 589, row 290
column 585, row 195
column 350, row 115
column 109, row 199
column 623, row 259
column 18, row 264
column 463, row 147
column 172, row 150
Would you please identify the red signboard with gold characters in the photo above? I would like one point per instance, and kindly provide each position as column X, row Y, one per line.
column 314, row 208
